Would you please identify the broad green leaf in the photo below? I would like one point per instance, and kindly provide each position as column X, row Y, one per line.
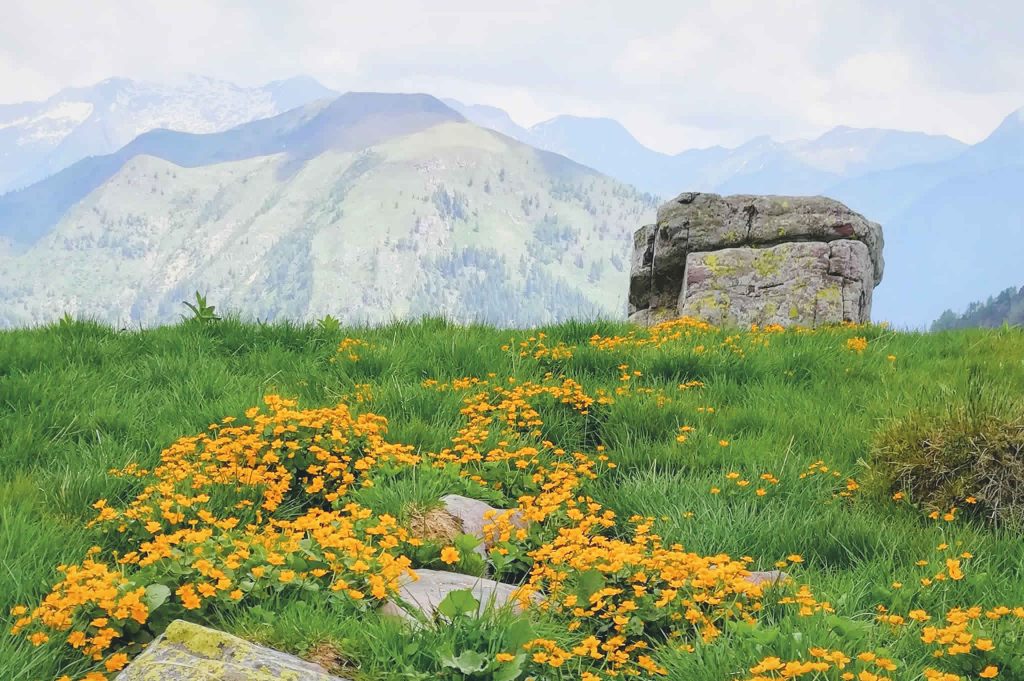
column 509, row 671
column 156, row 595
column 468, row 662
column 519, row 633
column 458, row 602
column 465, row 543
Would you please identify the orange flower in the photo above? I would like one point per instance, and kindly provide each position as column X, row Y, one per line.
column 116, row 662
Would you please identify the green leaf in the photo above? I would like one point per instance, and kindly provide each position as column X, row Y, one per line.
column 177, row 569
column 508, row 671
column 519, row 633
column 635, row 626
column 465, row 543
column 589, row 583
column 499, row 561
column 458, row 602
column 156, row 595
column 469, row 662
column 849, row 628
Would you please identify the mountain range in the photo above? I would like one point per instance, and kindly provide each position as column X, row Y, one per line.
column 368, row 207
column 952, row 227
column 952, row 233
column 38, row 139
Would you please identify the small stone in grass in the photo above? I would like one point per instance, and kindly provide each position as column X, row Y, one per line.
column 427, row 592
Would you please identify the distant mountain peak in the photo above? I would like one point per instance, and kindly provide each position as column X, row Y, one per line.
column 491, row 117
column 594, row 122
column 394, row 101
column 293, row 92
column 1014, row 121
column 356, row 120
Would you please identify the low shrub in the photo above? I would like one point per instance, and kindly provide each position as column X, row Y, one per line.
column 966, row 458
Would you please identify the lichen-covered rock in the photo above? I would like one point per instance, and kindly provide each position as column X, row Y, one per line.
column 755, row 260
column 640, row 269
column 793, row 283
column 186, row 651
column 432, row 586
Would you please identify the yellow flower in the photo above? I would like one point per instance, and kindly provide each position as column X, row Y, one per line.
column 450, row 555
column 989, row 672
column 857, row 344
column 116, row 662
column 504, row 657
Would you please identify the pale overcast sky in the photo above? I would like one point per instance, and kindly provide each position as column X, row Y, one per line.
column 677, row 73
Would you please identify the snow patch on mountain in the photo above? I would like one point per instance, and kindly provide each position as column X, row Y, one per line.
column 53, row 123
column 38, row 139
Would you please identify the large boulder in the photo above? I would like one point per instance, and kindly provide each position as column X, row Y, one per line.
column 755, row 260
column 187, row 651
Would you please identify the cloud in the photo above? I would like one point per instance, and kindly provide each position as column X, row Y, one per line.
column 678, row 73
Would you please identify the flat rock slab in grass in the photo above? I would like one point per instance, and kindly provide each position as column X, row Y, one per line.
column 433, row 586
column 189, row 652
column 474, row 514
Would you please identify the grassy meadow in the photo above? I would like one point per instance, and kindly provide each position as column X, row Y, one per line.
column 656, row 466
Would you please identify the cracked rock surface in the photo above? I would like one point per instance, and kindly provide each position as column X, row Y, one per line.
column 740, row 260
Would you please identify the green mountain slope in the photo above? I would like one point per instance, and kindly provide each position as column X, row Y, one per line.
column 453, row 220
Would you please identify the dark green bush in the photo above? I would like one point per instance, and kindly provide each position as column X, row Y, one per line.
column 968, row 456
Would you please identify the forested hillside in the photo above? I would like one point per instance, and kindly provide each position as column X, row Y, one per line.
column 1005, row 308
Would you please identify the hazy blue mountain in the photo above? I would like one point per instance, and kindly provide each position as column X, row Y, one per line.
column 369, row 207
column 493, row 118
column 292, row 93
column 850, row 152
column 761, row 165
column 38, row 139
column 954, row 231
column 605, row 145
column 949, row 210
column 353, row 121
column 1003, row 148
